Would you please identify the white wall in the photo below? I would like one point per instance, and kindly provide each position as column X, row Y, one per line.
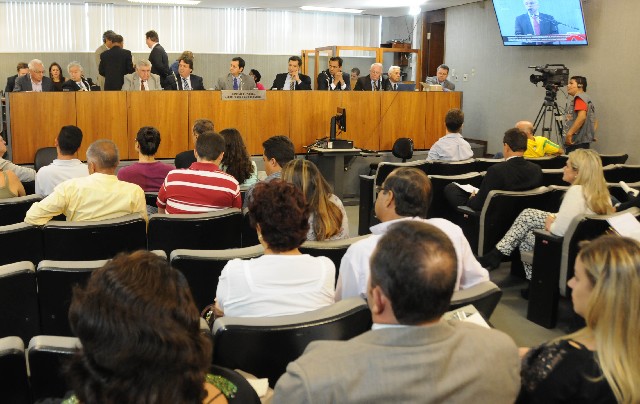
column 499, row 93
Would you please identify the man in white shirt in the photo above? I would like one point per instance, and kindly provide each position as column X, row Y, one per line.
column 405, row 195
column 452, row 146
column 66, row 166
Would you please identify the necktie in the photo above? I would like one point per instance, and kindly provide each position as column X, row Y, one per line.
column 375, row 86
column 395, row 87
column 142, row 85
column 292, row 84
column 81, row 85
column 536, row 25
column 185, row 84
column 235, row 83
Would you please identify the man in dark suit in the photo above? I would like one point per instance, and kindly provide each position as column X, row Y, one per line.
column 76, row 82
column 35, row 80
column 515, row 174
column 410, row 349
column 293, row 80
column 158, row 57
column 395, row 77
column 372, row 81
column 114, row 64
column 333, row 79
column 22, row 69
column 186, row 158
column 534, row 22
column 186, row 80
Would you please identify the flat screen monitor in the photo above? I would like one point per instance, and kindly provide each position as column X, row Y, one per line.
column 541, row 22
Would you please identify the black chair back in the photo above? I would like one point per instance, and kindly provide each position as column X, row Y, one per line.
column 613, row 159
column 56, row 280
column 403, row 148
column 18, row 301
column 207, row 231
column 249, row 234
column 14, row 383
column 552, row 177
column 13, row 210
column 452, row 168
column 47, row 356
column 202, row 269
column 549, row 162
column 265, row 346
column 622, row 172
column 44, row 157
column 484, row 296
column 86, row 241
column 439, row 206
column 21, row 242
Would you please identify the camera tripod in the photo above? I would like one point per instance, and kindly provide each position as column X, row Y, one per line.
column 548, row 115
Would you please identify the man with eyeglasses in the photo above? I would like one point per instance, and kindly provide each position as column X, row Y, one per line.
column 35, row 80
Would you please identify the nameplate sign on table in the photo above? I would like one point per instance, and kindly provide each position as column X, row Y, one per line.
column 243, row 95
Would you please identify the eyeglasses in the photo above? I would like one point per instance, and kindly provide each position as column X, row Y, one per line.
column 37, row 71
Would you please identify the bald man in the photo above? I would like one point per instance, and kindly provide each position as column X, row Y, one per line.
column 537, row 146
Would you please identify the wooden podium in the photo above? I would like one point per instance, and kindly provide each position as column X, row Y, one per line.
column 374, row 119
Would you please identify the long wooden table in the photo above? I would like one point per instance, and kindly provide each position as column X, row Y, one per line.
column 374, row 119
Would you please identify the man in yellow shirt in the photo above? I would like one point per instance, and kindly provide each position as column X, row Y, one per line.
column 99, row 196
column 537, row 146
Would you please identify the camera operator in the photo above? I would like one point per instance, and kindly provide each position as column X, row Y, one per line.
column 580, row 124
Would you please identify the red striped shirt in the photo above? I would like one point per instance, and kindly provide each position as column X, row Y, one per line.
column 201, row 188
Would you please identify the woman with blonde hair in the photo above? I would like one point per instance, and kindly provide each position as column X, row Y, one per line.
column 588, row 194
column 328, row 219
column 598, row 363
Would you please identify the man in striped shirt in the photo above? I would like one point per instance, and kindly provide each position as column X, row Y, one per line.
column 203, row 187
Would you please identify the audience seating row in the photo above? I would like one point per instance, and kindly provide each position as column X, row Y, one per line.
column 553, row 262
column 45, row 358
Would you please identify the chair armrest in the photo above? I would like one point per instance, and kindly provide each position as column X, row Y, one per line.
column 547, row 236
column 467, row 211
column 544, row 292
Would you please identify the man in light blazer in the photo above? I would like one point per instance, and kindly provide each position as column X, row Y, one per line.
column 142, row 77
column 35, row 80
column 293, row 79
column 410, row 355
column 236, row 79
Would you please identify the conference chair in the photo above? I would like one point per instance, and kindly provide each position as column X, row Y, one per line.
column 619, row 158
column 249, row 234
column 21, row 242
column 553, row 259
column 205, row 231
column 452, row 167
column 14, row 383
column 622, row 172
column 13, row 210
column 202, row 268
column 332, row 249
column 549, row 162
column 439, row 206
column 246, row 393
column 553, row 176
column 483, row 164
column 47, row 356
column 18, row 301
column 485, row 228
column 618, row 193
column 56, row 280
column 29, row 187
column 151, row 198
column 44, row 157
column 85, row 241
column 264, row 346
column 484, row 296
column 402, row 149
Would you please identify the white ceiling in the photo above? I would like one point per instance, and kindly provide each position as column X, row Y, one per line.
column 387, row 8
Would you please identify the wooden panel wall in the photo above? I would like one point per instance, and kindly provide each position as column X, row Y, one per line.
column 374, row 120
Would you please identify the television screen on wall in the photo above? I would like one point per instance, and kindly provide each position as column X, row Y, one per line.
column 541, row 22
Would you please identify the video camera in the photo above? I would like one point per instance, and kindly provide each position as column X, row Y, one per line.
column 552, row 77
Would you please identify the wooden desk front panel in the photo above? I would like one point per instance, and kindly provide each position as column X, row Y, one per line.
column 374, row 121
column 103, row 115
column 168, row 111
column 36, row 119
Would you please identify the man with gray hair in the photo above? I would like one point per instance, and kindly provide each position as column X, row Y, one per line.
column 142, row 79
column 372, row 81
column 107, row 42
column 98, row 196
column 76, row 82
column 35, row 80
column 395, row 77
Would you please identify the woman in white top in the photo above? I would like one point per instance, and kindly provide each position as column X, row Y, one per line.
column 328, row 219
column 588, row 194
column 283, row 281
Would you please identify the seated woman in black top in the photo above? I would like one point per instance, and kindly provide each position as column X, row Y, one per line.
column 600, row 363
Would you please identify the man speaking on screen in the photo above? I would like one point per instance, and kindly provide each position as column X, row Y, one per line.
column 535, row 23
